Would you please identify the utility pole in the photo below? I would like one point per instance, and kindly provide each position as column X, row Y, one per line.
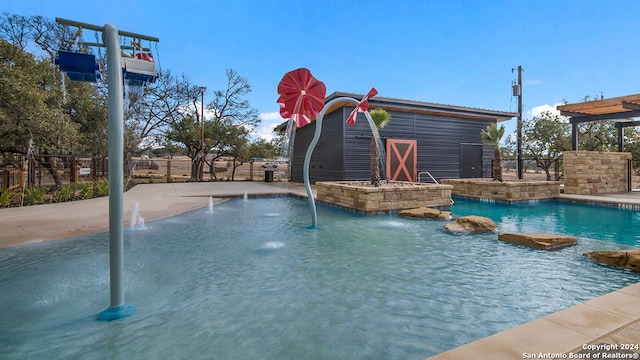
column 517, row 91
column 202, row 159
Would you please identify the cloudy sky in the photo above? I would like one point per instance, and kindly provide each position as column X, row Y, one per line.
column 452, row 52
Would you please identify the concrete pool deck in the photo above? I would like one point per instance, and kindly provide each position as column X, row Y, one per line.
column 54, row 221
column 612, row 319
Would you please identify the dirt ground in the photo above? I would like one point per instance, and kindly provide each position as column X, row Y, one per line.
column 181, row 165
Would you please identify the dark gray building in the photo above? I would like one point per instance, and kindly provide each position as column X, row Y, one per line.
column 444, row 140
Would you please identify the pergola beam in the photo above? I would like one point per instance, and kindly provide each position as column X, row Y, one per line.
column 625, row 124
column 630, row 105
column 602, row 106
column 627, row 115
column 621, row 109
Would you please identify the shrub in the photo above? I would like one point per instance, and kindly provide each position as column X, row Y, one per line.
column 101, row 187
column 65, row 193
column 85, row 189
column 34, row 194
column 8, row 196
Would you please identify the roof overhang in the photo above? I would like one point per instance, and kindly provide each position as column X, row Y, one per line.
column 623, row 110
column 421, row 107
column 418, row 107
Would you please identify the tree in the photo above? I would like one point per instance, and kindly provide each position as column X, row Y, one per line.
column 166, row 101
column 75, row 115
column 15, row 29
column 492, row 135
column 86, row 106
column 47, row 35
column 264, row 149
column 242, row 150
column 508, row 153
column 229, row 116
column 228, row 110
column 187, row 132
column 237, row 147
column 230, row 104
column 544, row 139
column 31, row 110
column 150, row 113
column 597, row 136
column 380, row 118
column 632, row 145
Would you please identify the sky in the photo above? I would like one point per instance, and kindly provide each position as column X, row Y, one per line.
column 450, row 52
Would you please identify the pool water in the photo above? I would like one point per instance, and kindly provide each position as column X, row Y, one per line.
column 588, row 221
column 251, row 281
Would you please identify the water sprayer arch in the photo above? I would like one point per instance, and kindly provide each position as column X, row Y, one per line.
column 314, row 142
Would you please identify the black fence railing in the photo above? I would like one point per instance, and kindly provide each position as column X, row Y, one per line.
column 179, row 169
column 17, row 170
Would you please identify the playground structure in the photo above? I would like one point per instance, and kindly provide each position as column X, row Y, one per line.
column 116, row 77
column 138, row 65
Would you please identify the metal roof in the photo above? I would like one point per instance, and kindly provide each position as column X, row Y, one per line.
column 419, row 107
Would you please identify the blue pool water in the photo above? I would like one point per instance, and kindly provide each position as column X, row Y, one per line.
column 251, row 281
column 587, row 221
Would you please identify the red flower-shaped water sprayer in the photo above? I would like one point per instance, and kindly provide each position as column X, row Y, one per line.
column 301, row 96
column 362, row 107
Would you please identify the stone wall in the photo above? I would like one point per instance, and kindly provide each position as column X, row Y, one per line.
column 389, row 197
column 594, row 172
column 519, row 190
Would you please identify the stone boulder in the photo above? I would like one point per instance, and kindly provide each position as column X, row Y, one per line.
column 629, row 259
column 471, row 224
column 425, row 213
column 539, row 241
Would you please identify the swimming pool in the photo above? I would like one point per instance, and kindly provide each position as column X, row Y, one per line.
column 251, row 281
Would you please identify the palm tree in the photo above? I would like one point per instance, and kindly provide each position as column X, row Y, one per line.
column 492, row 135
column 380, row 118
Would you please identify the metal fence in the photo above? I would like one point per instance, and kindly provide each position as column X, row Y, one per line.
column 17, row 170
column 178, row 169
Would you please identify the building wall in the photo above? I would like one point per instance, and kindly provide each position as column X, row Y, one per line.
column 327, row 159
column 438, row 141
column 594, row 172
column 357, row 147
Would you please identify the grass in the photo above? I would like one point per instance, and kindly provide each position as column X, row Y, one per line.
column 34, row 194
column 7, row 197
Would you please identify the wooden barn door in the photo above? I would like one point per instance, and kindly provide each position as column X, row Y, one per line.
column 402, row 158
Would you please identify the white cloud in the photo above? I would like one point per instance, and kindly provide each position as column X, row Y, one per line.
column 533, row 82
column 269, row 121
column 553, row 109
column 538, row 110
column 271, row 116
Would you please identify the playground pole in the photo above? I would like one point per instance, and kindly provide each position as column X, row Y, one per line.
column 117, row 309
column 110, row 38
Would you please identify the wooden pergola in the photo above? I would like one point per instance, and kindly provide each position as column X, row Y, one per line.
column 622, row 110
